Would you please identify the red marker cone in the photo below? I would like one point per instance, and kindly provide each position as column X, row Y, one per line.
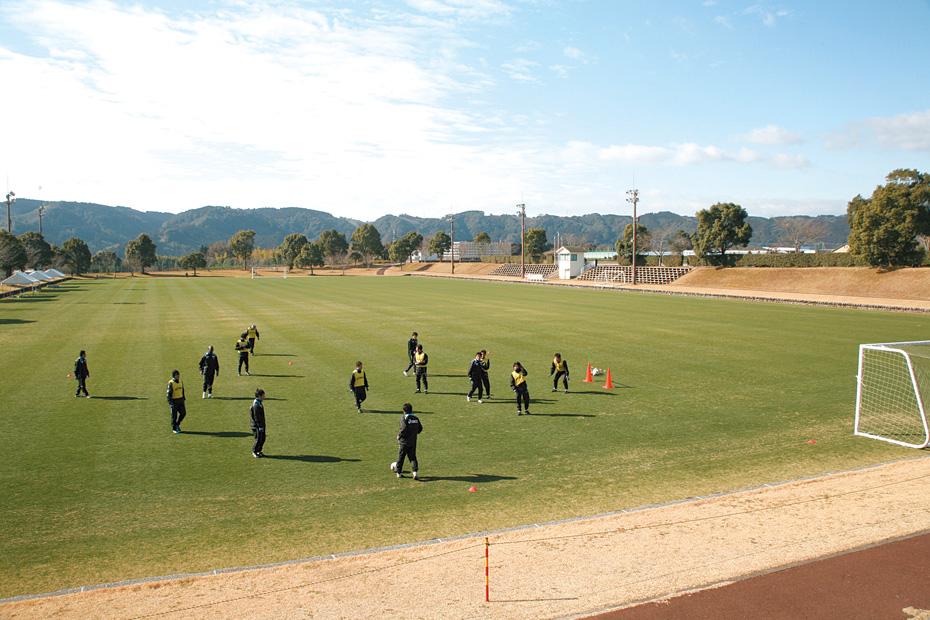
column 811, row 441
column 609, row 384
column 588, row 378
column 472, row 489
column 290, row 363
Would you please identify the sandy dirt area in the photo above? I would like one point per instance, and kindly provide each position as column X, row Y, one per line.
column 567, row 569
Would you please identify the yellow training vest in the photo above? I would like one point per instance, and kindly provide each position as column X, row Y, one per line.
column 177, row 389
column 518, row 378
column 242, row 345
column 252, row 332
column 559, row 366
column 358, row 379
column 421, row 359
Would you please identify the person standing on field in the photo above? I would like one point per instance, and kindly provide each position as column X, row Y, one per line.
column 257, row 416
column 81, row 373
column 421, row 359
column 176, row 401
column 485, row 372
column 209, row 368
column 475, row 373
column 410, row 427
column 520, row 388
column 560, row 370
column 411, row 352
column 358, row 385
column 242, row 348
column 252, row 333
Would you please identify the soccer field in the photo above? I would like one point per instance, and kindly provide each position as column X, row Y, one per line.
column 713, row 395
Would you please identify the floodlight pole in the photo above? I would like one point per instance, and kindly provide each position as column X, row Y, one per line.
column 10, row 199
column 633, row 197
column 452, row 240
column 522, row 212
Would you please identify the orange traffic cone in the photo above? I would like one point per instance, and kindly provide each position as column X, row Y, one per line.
column 609, row 384
column 588, row 378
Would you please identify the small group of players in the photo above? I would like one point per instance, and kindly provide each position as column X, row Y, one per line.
column 410, row 426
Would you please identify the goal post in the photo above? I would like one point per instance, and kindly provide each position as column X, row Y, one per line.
column 893, row 392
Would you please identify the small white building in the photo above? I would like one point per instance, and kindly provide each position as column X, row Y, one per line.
column 570, row 262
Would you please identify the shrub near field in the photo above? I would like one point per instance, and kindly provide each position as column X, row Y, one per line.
column 713, row 395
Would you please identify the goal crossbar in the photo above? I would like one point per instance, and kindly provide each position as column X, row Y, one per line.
column 890, row 393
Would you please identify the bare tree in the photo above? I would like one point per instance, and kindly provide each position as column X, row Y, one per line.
column 799, row 231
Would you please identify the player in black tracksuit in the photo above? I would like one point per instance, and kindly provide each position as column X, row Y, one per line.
column 476, row 374
column 486, row 367
column 209, row 368
column 411, row 352
column 176, row 401
column 422, row 360
column 81, row 373
column 242, row 348
column 358, row 385
column 518, row 385
column 410, row 427
column 257, row 417
column 560, row 370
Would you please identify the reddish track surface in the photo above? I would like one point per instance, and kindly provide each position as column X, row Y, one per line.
column 879, row 582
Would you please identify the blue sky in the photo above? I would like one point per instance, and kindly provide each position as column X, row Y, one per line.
column 431, row 106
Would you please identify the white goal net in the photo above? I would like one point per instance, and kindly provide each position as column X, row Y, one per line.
column 893, row 392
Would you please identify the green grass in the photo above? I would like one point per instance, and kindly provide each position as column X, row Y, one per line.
column 716, row 395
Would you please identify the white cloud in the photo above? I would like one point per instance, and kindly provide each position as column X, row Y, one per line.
column 768, row 15
column 790, row 161
column 909, row 132
column 560, row 70
column 771, row 135
column 521, row 70
column 573, row 52
column 468, row 9
column 724, row 21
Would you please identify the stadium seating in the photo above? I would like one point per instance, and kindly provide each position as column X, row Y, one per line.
column 513, row 270
column 624, row 274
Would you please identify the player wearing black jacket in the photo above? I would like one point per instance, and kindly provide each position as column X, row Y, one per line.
column 476, row 374
column 410, row 427
column 209, row 368
column 560, row 370
column 486, row 367
column 520, row 388
column 411, row 352
column 81, row 373
column 358, row 385
column 242, row 348
column 257, row 416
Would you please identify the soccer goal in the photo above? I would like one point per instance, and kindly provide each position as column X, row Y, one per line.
column 892, row 392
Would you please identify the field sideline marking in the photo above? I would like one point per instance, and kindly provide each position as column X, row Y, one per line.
column 435, row 541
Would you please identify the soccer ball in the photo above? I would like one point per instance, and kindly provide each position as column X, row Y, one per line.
column 394, row 466
column 596, row 371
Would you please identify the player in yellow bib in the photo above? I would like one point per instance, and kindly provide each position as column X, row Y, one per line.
column 520, row 388
column 421, row 360
column 252, row 333
column 358, row 385
column 176, row 401
column 560, row 370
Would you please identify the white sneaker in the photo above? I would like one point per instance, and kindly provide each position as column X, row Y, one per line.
column 88, row 396
column 414, row 475
column 480, row 401
column 210, row 395
column 204, row 395
column 468, row 399
column 394, row 466
column 405, row 373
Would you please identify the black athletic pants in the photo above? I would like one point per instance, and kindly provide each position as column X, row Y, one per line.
column 243, row 359
column 486, row 380
column 412, row 361
column 82, row 386
column 208, row 382
column 564, row 377
column 259, row 433
column 360, row 396
column 409, row 452
column 523, row 399
column 178, row 413
column 476, row 384
column 251, row 346
column 421, row 374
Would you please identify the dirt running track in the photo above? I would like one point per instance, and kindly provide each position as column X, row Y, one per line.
column 568, row 569
column 887, row 581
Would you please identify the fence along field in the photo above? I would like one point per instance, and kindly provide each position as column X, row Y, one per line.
column 712, row 395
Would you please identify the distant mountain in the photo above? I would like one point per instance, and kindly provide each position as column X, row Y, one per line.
column 109, row 228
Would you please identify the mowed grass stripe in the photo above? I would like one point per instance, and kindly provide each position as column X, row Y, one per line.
column 718, row 394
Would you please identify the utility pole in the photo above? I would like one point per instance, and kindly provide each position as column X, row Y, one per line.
column 633, row 197
column 41, row 213
column 522, row 213
column 10, row 199
column 451, row 218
